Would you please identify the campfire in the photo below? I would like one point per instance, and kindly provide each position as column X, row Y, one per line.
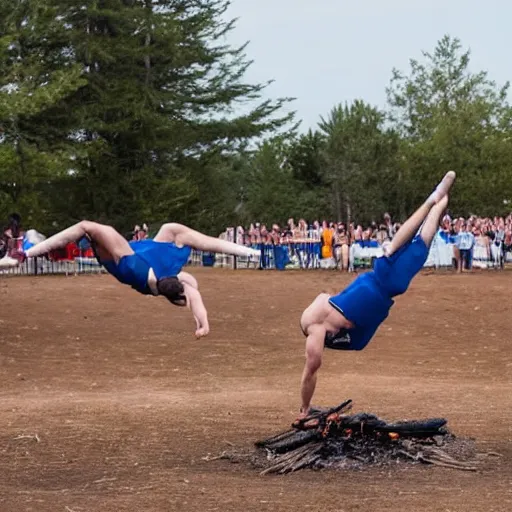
column 334, row 439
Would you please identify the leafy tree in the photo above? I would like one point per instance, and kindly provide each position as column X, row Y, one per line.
column 306, row 158
column 359, row 154
column 452, row 118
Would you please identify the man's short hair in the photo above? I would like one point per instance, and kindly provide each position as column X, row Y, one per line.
column 172, row 290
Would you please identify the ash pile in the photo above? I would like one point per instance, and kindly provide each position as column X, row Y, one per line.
column 336, row 440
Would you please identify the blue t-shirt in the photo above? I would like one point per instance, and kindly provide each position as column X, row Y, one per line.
column 165, row 258
column 366, row 305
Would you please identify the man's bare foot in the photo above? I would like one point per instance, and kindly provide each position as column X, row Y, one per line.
column 443, row 188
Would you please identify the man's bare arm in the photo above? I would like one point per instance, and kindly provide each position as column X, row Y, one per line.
column 196, row 305
column 314, row 352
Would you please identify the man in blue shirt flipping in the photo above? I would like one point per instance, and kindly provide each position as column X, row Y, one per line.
column 151, row 267
column 349, row 320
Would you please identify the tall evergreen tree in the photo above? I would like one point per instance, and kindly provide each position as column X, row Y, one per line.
column 146, row 93
column 359, row 155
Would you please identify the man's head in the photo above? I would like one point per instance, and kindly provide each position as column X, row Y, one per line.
column 172, row 290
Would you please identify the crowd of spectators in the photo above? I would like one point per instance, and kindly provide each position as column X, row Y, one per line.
column 476, row 240
column 473, row 242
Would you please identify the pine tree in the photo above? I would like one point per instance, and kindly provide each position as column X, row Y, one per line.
column 144, row 94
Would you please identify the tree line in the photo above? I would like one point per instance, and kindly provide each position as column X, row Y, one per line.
column 130, row 111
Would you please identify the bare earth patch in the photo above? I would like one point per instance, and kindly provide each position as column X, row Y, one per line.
column 109, row 404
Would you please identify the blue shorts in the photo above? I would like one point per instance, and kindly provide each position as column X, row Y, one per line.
column 365, row 304
column 131, row 270
column 396, row 272
column 367, row 300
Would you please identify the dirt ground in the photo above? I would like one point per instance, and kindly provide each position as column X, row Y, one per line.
column 125, row 403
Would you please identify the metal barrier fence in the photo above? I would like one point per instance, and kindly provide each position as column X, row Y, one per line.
column 44, row 266
column 302, row 255
column 307, row 256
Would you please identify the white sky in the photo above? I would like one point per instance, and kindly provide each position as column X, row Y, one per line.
column 324, row 52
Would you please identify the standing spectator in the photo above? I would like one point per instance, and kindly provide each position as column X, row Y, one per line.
column 373, row 228
column 240, row 235
column 445, row 231
column 465, row 242
column 257, row 235
column 140, row 233
column 303, row 230
column 356, row 234
column 382, row 235
column 275, row 234
column 367, row 238
column 265, row 242
column 481, row 251
column 327, row 241
column 507, row 242
column 498, row 242
column 341, row 247
column 315, row 230
column 390, row 227
column 12, row 236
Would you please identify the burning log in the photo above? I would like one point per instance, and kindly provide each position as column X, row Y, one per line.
column 334, row 439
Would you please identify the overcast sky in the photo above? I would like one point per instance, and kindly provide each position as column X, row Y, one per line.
column 324, row 52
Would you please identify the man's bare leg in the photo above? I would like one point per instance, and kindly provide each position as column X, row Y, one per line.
column 411, row 226
column 182, row 235
column 109, row 244
column 458, row 259
column 344, row 257
column 431, row 225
